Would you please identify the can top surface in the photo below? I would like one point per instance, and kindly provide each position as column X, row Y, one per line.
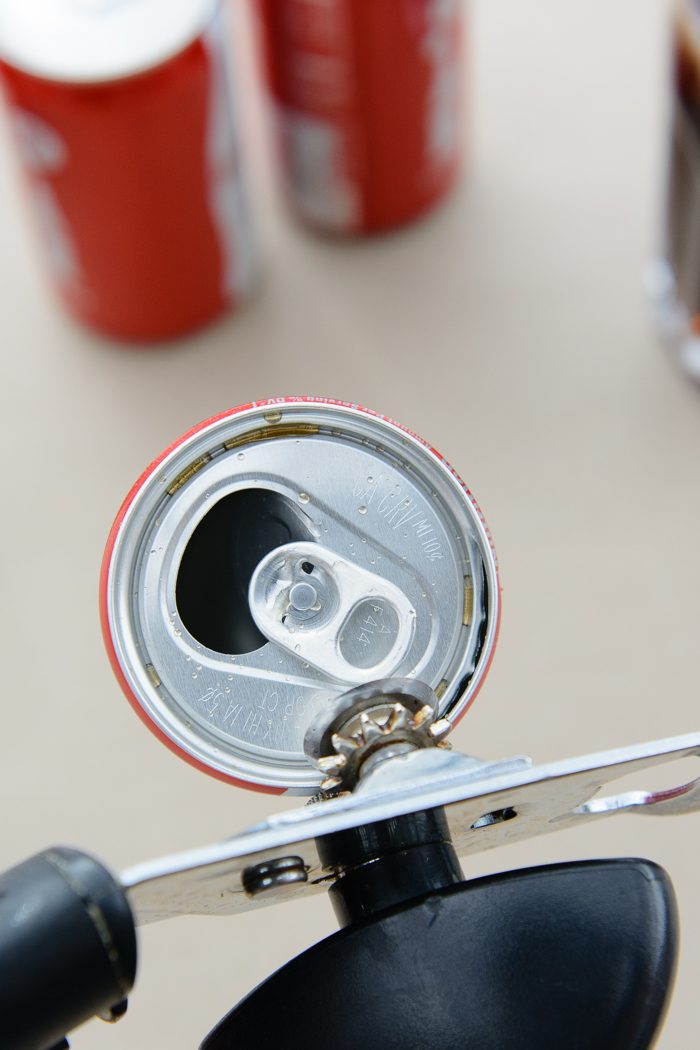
column 279, row 555
column 89, row 41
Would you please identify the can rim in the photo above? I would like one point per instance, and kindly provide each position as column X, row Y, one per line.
column 108, row 561
column 148, row 34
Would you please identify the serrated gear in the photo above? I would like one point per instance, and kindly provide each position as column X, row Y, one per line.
column 372, row 724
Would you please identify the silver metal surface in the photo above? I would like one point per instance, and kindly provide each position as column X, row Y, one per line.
column 274, row 875
column 411, row 693
column 342, row 480
column 487, row 805
column 88, row 41
column 345, row 621
column 372, row 724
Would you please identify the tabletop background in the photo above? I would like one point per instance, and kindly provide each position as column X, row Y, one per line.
column 511, row 330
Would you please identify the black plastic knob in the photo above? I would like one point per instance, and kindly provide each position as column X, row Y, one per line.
column 574, row 955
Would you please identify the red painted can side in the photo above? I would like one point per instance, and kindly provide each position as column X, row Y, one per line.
column 367, row 103
column 137, row 192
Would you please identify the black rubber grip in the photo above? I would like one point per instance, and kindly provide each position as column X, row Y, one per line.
column 67, row 948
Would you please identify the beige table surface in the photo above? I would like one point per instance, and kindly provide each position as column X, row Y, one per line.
column 510, row 329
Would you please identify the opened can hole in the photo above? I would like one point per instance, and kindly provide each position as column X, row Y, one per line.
column 307, row 567
column 220, row 559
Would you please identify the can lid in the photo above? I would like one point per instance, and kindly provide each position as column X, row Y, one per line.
column 88, row 41
column 278, row 555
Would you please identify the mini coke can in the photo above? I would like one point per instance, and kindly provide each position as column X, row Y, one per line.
column 122, row 112
column 366, row 97
column 276, row 556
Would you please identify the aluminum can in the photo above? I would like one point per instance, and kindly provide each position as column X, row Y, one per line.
column 674, row 278
column 122, row 112
column 279, row 554
column 366, row 100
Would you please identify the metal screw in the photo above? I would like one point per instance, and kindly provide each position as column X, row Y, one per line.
column 271, row 874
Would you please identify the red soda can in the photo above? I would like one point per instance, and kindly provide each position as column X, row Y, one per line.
column 123, row 115
column 367, row 103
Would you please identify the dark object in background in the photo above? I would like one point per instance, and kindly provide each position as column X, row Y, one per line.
column 122, row 113
column 367, row 104
column 675, row 279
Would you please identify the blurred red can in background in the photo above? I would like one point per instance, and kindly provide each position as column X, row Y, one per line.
column 122, row 111
column 366, row 96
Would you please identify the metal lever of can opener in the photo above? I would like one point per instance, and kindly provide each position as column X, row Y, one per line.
column 487, row 804
column 382, row 738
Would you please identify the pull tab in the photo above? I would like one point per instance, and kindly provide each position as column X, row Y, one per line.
column 343, row 620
